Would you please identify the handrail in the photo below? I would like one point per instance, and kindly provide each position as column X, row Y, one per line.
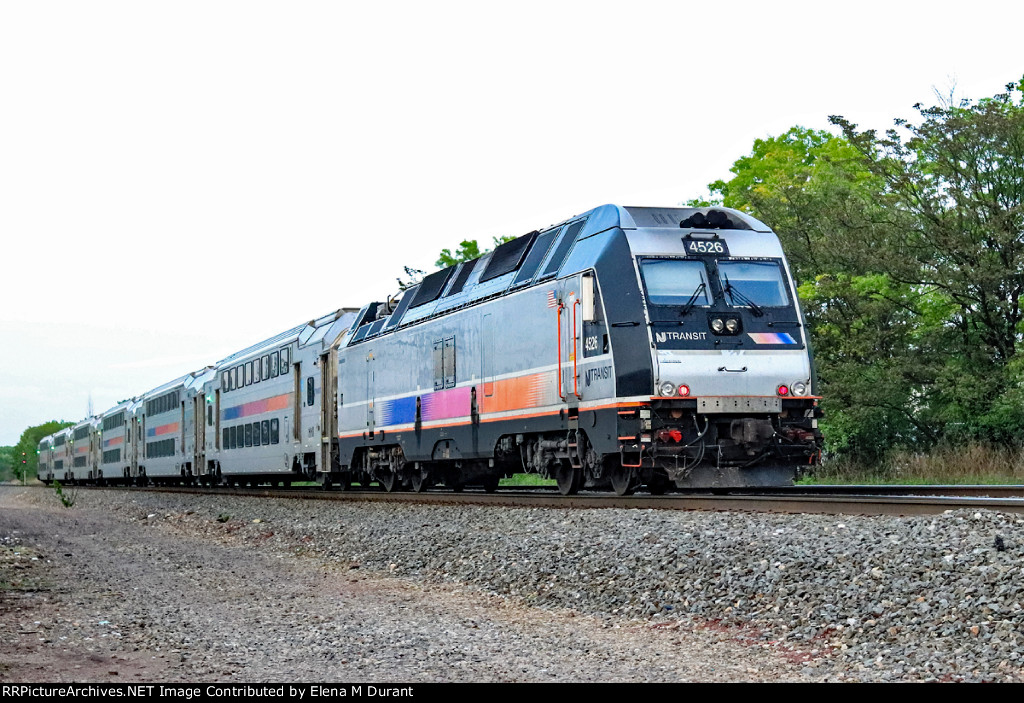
column 575, row 353
column 559, row 372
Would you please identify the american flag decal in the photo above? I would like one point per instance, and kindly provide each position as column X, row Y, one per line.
column 552, row 300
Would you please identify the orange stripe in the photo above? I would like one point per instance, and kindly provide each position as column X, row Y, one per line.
column 500, row 419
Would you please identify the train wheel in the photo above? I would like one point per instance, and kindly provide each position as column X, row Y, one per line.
column 419, row 481
column 491, row 484
column 387, row 480
column 623, row 481
column 568, row 479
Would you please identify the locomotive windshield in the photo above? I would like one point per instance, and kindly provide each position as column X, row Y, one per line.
column 675, row 282
column 753, row 282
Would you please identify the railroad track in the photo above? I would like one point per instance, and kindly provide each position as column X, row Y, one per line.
column 830, row 500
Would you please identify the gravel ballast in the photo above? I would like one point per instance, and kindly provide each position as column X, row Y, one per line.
column 399, row 592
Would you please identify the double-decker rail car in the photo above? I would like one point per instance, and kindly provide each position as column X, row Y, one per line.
column 264, row 411
column 60, row 454
column 161, row 430
column 44, row 467
column 84, row 466
column 622, row 347
column 114, row 439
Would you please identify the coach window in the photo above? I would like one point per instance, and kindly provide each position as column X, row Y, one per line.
column 248, row 374
column 232, row 437
column 273, row 365
column 310, row 388
column 265, row 367
column 224, row 380
column 234, row 379
column 275, row 434
column 225, row 443
column 241, row 375
column 285, row 358
column 256, row 371
column 256, row 434
column 248, row 435
column 265, row 431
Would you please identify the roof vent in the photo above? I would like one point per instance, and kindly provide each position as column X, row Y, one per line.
column 712, row 219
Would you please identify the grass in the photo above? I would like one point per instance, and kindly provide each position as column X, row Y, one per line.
column 970, row 464
column 526, row 480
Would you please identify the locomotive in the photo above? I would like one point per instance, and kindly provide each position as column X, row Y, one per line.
column 624, row 347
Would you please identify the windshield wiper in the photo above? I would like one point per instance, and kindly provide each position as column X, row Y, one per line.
column 735, row 294
column 688, row 306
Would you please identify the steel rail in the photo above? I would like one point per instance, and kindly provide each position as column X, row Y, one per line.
column 775, row 502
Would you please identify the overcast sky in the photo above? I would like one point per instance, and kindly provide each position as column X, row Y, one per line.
column 179, row 180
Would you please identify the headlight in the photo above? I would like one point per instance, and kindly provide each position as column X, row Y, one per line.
column 717, row 324
column 667, row 388
column 799, row 388
column 732, row 325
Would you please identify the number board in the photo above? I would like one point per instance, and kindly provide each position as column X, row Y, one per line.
column 706, row 247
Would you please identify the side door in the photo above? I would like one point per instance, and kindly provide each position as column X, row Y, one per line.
column 371, row 383
column 199, row 418
column 570, row 335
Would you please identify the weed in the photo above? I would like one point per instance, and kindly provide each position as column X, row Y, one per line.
column 67, row 499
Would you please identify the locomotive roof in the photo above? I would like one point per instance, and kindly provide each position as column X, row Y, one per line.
column 690, row 217
column 529, row 259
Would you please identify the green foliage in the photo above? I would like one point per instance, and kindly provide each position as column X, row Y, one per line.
column 6, row 463
column 468, row 250
column 909, row 254
column 709, row 201
column 28, row 446
column 66, row 499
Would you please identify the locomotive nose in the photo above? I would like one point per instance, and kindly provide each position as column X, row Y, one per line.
column 735, row 373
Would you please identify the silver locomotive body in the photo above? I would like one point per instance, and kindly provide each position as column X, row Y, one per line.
column 624, row 346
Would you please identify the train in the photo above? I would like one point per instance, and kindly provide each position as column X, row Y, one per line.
column 625, row 348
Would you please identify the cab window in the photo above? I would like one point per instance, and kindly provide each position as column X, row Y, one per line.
column 757, row 281
column 675, row 281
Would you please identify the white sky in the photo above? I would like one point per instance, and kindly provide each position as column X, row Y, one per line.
column 179, row 180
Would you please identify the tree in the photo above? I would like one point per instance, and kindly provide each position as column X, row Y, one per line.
column 909, row 252
column 816, row 193
column 26, row 450
column 6, row 462
column 954, row 183
column 468, row 250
